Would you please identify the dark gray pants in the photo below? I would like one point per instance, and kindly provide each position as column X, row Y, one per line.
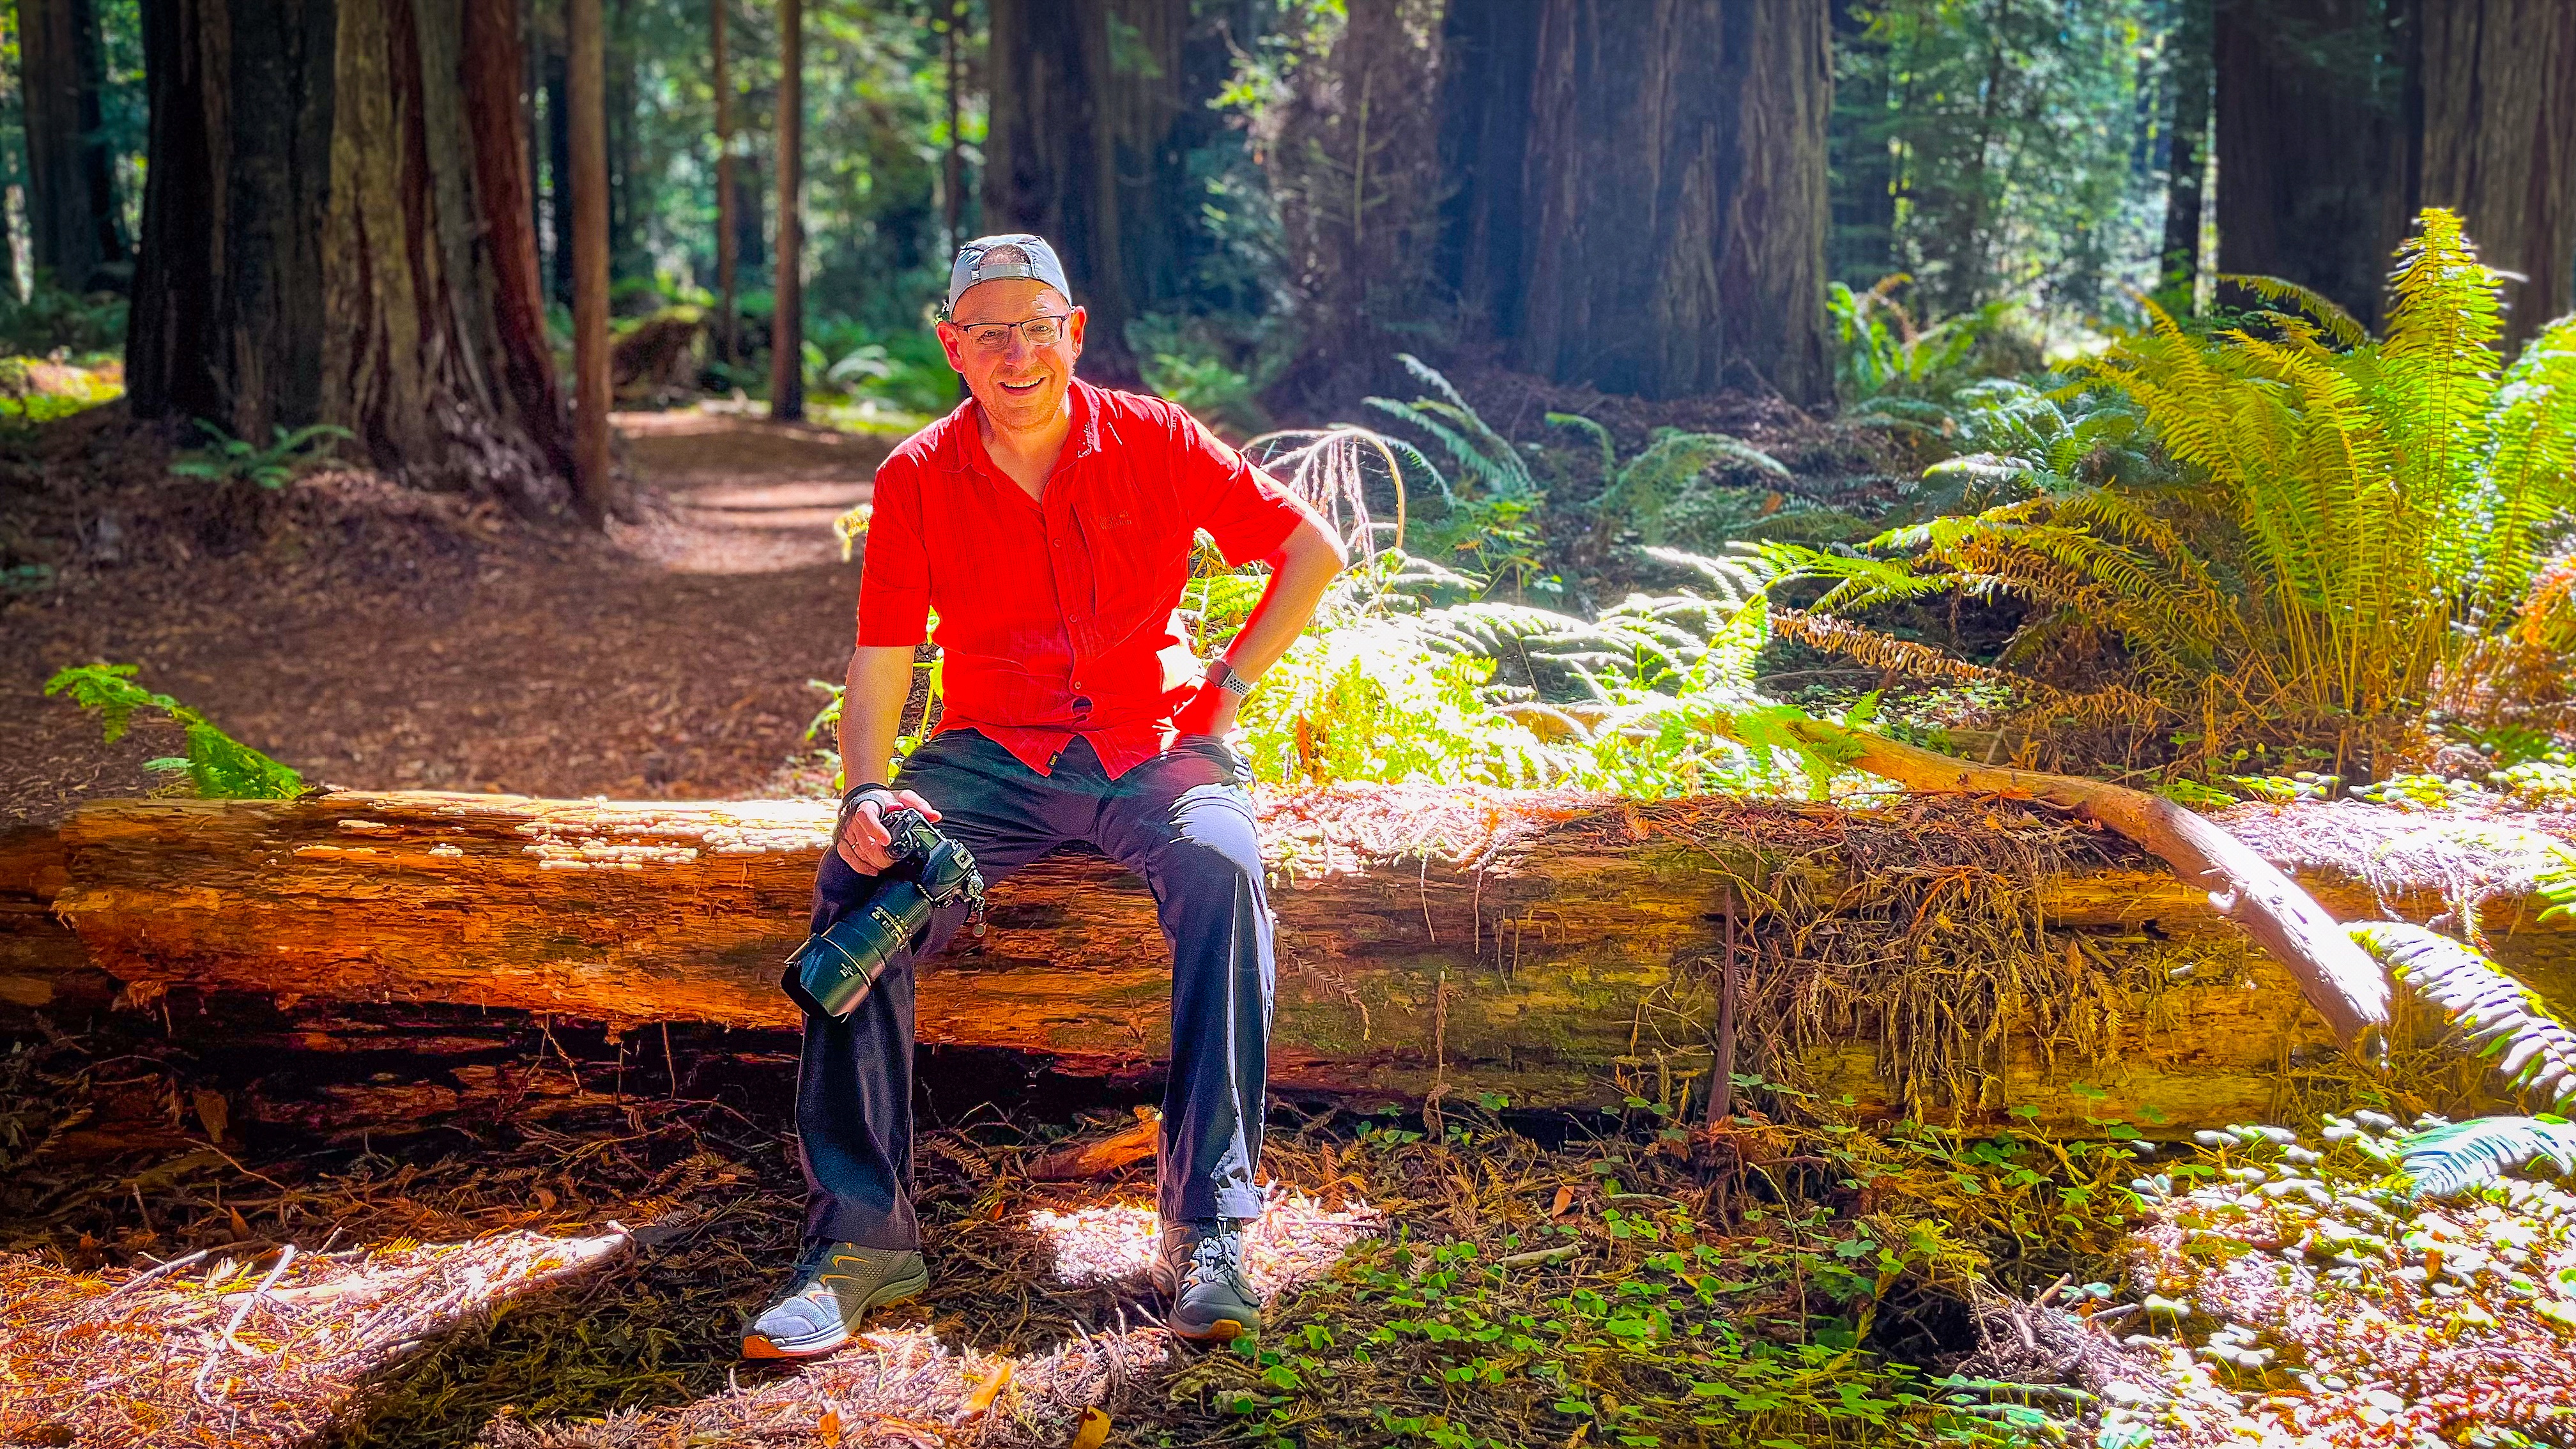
column 1184, row 822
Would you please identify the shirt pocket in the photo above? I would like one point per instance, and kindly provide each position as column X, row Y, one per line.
column 1140, row 553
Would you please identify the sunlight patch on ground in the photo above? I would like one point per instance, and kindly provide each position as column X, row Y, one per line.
column 897, row 1386
column 240, row 1350
column 904, row 1386
column 1295, row 1239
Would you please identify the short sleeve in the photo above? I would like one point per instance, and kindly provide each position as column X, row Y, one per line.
column 1247, row 514
column 894, row 580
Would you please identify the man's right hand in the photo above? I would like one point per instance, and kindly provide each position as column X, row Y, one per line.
column 864, row 837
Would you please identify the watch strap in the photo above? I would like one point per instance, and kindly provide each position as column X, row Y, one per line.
column 1228, row 680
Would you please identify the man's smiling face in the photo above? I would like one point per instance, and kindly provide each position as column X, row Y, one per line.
column 1020, row 386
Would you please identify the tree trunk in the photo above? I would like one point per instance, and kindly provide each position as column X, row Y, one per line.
column 1659, row 170
column 787, row 321
column 630, row 185
column 1048, row 161
column 2187, row 152
column 71, row 195
column 1087, row 144
column 494, row 73
column 594, row 479
column 726, row 224
column 1578, row 944
column 333, row 224
column 1354, row 158
column 2311, row 145
column 2499, row 143
column 2340, row 980
column 952, row 168
column 228, row 307
column 559, row 174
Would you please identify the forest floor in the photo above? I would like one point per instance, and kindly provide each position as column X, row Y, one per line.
column 380, row 639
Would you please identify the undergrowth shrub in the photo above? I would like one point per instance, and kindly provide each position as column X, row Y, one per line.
column 2275, row 534
column 1631, row 1291
column 82, row 325
column 1882, row 353
column 1390, row 685
column 227, row 459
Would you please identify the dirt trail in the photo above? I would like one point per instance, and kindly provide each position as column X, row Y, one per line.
column 378, row 641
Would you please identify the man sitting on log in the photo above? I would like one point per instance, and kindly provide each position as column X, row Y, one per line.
column 1050, row 524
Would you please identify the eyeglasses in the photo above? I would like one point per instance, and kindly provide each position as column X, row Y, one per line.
column 996, row 336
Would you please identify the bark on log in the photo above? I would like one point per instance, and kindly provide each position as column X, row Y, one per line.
column 1573, row 958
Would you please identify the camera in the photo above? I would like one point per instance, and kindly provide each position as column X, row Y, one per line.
column 836, row 967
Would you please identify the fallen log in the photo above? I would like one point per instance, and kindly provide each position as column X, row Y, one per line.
column 1554, row 949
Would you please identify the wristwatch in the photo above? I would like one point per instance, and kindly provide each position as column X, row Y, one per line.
column 1223, row 676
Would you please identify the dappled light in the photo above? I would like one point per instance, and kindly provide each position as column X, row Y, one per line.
column 893, row 1387
column 246, row 1348
column 1295, row 1240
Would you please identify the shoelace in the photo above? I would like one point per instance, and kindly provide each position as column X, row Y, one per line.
column 807, row 1275
column 1217, row 1254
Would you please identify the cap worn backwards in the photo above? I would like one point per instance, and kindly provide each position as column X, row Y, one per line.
column 996, row 258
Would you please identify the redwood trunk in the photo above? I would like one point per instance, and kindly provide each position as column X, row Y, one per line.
column 1651, row 214
column 2499, row 143
column 1086, row 146
column 2187, row 153
column 334, row 224
column 725, row 222
column 787, row 321
column 594, row 483
column 71, row 197
column 2312, row 142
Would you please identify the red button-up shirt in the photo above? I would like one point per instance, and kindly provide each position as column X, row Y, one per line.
column 1058, row 615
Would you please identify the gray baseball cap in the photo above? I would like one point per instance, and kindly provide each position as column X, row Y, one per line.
column 1012, row 254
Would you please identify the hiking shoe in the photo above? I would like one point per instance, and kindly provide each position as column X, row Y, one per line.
column 1200, row 1269
column 832, row 1287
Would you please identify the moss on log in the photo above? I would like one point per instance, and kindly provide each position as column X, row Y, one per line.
column 1556, row 949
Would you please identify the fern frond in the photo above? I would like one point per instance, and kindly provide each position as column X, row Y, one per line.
column 2339, row 324
column 1740, row 577
column 1860, row 581
column 2531, row 466
column 2502, row 1017
column 1600, row 437
column 1875, row 650
column 2457, row 1156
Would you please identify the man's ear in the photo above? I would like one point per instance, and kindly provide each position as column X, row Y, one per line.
column 950, row 341
column 1074, row 322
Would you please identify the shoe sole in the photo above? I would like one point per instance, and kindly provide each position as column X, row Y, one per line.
column 902, row 1290
column 1223, row 1330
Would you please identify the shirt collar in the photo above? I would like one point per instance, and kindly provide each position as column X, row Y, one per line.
column 963, row 443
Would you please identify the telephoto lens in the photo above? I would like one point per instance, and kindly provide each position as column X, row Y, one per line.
column 836, row 967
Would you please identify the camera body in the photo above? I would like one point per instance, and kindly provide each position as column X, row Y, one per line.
column 836, row 967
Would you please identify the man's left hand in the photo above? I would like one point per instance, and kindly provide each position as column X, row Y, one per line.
column 1209, row 712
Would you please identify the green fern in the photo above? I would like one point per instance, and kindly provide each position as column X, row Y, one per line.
column 1663, row 490
column 1881, row 351
column 1480, row 452
column 226, row 458
column 2283, row 528
column 2503, row 1018
column 2455, row 1156
column 218, row 766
